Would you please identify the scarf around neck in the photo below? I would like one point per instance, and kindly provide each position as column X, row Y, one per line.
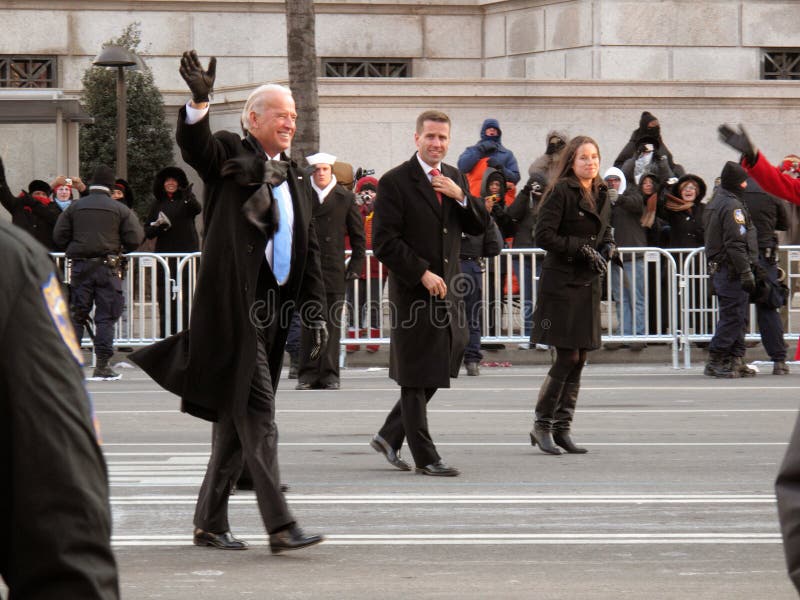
column 323, row 193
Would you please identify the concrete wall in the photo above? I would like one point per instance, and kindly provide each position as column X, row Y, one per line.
column 588, row 66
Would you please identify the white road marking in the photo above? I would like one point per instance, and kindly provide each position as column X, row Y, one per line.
column 418, row 499
column 468, row 411
column 500, row 539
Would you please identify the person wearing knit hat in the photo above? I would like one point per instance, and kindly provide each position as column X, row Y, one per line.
column 732, row 250
column 122, row 191
column 34, row 212
column 369, row 313
column 335, row 216
column 649, row 131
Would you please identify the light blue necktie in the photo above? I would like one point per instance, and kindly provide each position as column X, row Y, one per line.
column 282, row 240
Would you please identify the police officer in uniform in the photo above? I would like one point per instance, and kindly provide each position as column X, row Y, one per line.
column 95, row 231
column 54, row 507
column 769, row 215
column 732, row 250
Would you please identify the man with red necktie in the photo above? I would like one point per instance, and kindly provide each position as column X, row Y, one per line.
column 422, row 207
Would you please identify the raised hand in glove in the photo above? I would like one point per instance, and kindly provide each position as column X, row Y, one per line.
column 739, row 140
column 748, row 281
column 594, row 258
column 487, row 146
column 200, row 82
column 319, row 334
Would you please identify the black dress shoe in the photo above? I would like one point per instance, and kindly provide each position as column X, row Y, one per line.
column 381, row 445
column 224, row 541
column 292, row 539
column 438, row 469
column 333, row 385
column 304, row 386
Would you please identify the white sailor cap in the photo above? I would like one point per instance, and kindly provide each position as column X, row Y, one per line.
column 321, row 158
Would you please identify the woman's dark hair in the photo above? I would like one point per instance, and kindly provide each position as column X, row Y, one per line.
column 564, row 168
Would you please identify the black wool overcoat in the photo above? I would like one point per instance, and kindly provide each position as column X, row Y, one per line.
column 567, row 313
column 212, row 363
column 334, row 219
column 412, row 233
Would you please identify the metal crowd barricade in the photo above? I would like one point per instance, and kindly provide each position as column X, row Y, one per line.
column 700, row 311
column 139, row 323
column 679, row 307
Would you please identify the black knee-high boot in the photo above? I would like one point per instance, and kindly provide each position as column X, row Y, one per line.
column 563, row 418
column 542, row 433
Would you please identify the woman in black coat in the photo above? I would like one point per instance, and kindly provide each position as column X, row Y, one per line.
column 574, row 227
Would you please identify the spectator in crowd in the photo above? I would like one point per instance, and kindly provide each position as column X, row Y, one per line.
column 732, row 250
column 769, row 216
column 649, row 131
column 63, row 190
column 95, row 231
column 648, row 159
column 335, row 216
column 364, row 293
column 627, row 281
column 32, row 210
column 771, row 178
column 170, row 221
column 546, row 165
column 122, row 191
column 790, row 166
column 474, row 249
column 54, row 504
column 488, row 152
column 574, row 227
column 519, row 219
column 681, row 210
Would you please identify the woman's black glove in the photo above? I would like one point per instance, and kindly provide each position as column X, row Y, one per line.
column 594, row 258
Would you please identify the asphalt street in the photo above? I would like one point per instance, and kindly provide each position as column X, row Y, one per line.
column 675, row 498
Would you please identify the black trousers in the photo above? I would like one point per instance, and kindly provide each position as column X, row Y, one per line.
column 325, row 368
column 409, row 419
column 249, row 438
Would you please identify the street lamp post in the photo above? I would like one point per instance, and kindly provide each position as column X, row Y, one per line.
column 119, row 57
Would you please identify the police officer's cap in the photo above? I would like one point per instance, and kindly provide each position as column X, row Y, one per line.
column 732, row 177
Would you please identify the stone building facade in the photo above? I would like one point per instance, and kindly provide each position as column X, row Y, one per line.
column 586, row 66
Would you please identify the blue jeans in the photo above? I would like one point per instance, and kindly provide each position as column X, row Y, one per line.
column 626, row 295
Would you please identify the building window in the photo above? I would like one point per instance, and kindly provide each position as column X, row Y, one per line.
column 27, row 71
column 362, row 67
column 780, row 64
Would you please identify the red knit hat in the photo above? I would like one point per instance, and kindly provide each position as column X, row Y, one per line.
column 367, row 182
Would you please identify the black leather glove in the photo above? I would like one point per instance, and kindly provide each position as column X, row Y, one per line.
column 739, row 140
column 487, row 146
column 319, row 332
column 594, row 258
column 748, row 281
column 494, row 163
column 200, row 82
column 609, row 251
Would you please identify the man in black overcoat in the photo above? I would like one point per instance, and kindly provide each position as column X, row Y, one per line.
column 260, row 263
column 335, row 216
column 421, row 209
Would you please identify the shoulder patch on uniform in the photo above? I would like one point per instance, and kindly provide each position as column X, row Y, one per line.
column 738, row 216
column 59, row 312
